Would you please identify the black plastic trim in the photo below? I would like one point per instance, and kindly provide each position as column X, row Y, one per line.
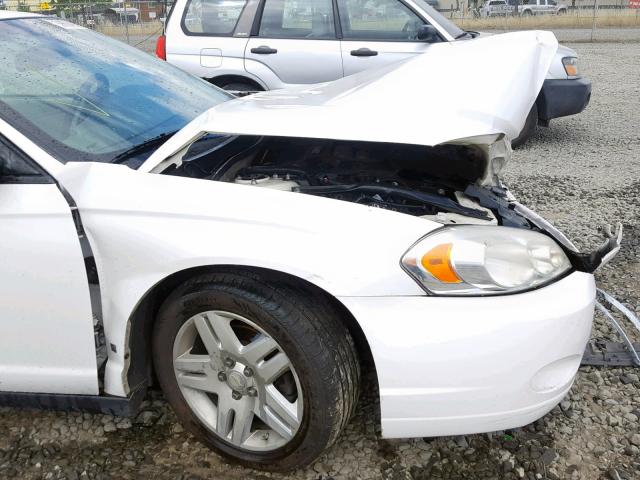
column 91, row 270
column 563, row 97
column 336, row 19
column 42, row 176
column 121, row 406
column 255, row 28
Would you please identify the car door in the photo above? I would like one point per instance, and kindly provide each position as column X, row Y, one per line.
column 295, row 44
column 377, row 32
column 46, row 326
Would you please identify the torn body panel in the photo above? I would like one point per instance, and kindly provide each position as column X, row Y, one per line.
column 452, row 183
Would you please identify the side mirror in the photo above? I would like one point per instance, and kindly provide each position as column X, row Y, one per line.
column 427, row 33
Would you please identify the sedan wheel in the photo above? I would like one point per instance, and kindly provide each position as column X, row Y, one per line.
column 260, row 369
column 237, row 380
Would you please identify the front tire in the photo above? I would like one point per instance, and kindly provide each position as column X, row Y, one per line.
column 529, row 128
column 262, row 372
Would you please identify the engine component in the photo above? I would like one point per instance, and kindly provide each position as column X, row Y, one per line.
column 274, row 182
column 370, row 194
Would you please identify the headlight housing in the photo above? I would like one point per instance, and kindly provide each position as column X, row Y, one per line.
column 484, row 260
column 570, row 66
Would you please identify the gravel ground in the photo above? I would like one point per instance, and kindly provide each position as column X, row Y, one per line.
column 579, row 173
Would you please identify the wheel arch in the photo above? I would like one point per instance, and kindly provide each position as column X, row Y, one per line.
column 222, row 80
column 140, row 370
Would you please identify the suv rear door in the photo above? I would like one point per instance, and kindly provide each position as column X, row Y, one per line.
column 201, row 39
column 377, row 32
column 295, row 44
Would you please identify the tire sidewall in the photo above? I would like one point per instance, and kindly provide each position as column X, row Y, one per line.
column 176, row 310
column 528, row 129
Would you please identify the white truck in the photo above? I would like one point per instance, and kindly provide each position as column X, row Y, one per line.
column 494, row 8
column 541, row 7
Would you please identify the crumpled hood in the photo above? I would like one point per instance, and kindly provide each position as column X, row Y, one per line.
column 452, row 91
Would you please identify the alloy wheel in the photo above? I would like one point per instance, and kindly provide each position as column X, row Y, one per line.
column 238, row 381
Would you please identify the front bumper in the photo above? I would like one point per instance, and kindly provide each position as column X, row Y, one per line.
column 452, row 366
column 562, row 97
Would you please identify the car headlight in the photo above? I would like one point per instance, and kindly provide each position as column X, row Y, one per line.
column 570, row 66
column 484, row 260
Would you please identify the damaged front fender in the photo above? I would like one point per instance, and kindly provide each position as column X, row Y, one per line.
column 514, row 214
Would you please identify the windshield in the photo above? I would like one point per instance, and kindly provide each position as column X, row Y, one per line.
column 439, row 19
column 82, row 96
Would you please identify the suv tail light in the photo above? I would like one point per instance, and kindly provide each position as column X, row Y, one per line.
column 161, row 47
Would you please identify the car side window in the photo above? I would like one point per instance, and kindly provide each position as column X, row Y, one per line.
column 212, row 17
column 15, row 167
column 378, row 20
column 311, row 19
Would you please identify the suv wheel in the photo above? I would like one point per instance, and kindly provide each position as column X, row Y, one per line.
column 241, row 89
column 529, row 127
column 263, row 373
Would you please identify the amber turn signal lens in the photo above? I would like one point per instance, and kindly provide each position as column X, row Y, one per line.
column 570, row 66
column 437, row 261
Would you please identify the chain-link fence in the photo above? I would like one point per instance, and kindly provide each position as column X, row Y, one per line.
column 140, row 22
column 576, row 21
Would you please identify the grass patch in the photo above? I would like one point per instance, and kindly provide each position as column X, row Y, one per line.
column 576, row 19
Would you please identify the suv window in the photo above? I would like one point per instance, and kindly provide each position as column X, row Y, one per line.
column 377, row 20
column 212, row 17
column 297, row 19
column 16, row 168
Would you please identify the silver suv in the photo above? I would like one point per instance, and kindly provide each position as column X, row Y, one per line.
column 262, row 45
column 251, row 45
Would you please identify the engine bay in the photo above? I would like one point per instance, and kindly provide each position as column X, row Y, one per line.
column 442, row 183
column 415, row 180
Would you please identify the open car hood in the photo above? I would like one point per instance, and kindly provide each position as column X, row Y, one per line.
column 451, row 93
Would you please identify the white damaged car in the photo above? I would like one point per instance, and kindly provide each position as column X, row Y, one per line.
column 252, row 254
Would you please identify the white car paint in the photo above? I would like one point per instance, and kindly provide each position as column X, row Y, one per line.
column 530, row 356
column 135, row 247
column 60, row 356
column 156, row 225
column 445, row 365
column 445, row 111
